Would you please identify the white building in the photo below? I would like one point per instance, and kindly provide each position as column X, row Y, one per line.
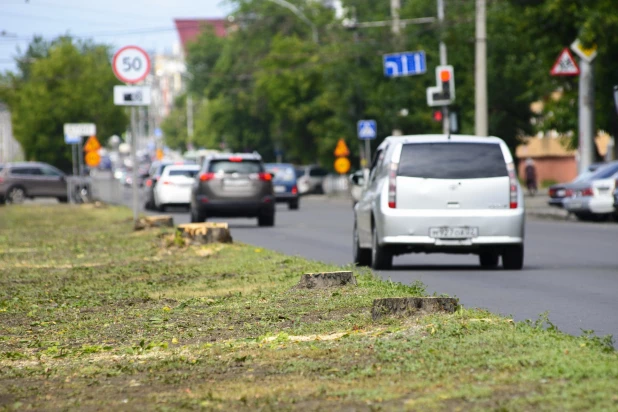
column 10, row 150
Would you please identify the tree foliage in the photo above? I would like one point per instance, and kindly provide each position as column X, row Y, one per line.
column 61, row 82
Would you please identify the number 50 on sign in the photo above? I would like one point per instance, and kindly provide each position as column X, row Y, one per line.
column 131, row 64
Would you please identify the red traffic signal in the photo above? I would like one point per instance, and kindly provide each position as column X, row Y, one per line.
column 437, row 115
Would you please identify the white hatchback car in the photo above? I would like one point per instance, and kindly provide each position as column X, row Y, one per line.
column 441, row 194
column 174, row 186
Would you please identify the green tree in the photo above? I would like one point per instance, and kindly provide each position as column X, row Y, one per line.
column 67, row 82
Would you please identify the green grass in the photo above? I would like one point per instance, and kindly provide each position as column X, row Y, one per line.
column 96, row 316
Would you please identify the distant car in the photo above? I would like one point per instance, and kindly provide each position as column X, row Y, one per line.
column 439, row 194
column 593, row 198
column 174, row 186
column 233, row 185
column 20, row 181
column 310, row 179
column 616, row 199
column 154, row 174
column 558, row 192
column 284, row 183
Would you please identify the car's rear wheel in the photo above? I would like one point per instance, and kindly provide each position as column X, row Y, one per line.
column 266, row 220
column 197, row 216
column 488, row 260
column 16, row 195
column 513, row 257
column 381, row 258
column 362, row 257
column 293, row 205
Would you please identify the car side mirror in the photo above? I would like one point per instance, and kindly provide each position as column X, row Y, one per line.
column 358, row 180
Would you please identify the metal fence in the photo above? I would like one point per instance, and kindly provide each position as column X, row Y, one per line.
column 107, row 189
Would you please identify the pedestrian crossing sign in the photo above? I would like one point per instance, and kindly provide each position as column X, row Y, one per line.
column 367, row 129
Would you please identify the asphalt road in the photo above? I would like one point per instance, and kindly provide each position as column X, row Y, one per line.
column 571, row 268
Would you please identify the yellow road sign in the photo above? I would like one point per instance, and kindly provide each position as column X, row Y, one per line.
column 586, row 54
column 92, row 144
column 342, row 165
column 342, row 149
column 159, row 154
column 92, row 159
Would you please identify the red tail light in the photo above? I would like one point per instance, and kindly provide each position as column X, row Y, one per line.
column 392, row 185
column 149, row 183
column 568, row 193
column 167, row 182
column 266, row 177
column 512, row 186
column 295, row 190
column 587, row 192
column 204, row 177
column 235, row 159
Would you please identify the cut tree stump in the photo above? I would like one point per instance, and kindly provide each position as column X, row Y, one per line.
column 412, row 306
column 203, row 233
column 326, row 280
column 154, row 221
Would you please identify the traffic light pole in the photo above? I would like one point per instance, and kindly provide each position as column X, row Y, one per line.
column 443, row 62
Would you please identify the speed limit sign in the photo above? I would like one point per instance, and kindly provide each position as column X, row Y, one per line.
column 131, row 64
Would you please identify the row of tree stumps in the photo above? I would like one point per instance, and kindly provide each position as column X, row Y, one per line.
column 210, row 232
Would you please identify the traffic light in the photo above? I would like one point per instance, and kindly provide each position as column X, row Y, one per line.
column 444, row 93
column 437, row 115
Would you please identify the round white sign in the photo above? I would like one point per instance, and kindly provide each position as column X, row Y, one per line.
column 131, row 64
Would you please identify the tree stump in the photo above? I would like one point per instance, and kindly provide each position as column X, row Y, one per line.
column 326, row 280
column 154, row 221
column 203, row 233
column 412, row 306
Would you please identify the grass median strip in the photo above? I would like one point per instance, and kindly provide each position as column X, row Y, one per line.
column 96, row 316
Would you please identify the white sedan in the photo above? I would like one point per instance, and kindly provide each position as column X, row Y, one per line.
column 174, row 186
column 593, row 199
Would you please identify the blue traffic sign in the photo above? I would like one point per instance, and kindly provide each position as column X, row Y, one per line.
column 404, row 64
column 367, row 129
column 71, row 139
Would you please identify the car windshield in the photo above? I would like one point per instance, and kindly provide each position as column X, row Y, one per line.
column 605, row 172
column 245, row 166
column 452, row 161
column 282, row 173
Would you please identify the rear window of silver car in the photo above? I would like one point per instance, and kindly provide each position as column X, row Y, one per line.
column 245, row 166
column 452, row 160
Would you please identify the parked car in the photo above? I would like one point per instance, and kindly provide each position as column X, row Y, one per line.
column 558, row 192
column 284, row 183
column 174, row 186
column 439, row 194
column 616, row 198
column 20, row 181
column 310, row 179
column 154, row 174
column 233, row 185
column 593, row 199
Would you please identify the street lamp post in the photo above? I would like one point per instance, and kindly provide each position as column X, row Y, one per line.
column 300, row 15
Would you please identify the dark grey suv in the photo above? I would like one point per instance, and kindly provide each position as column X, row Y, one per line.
column 233, row 185
column 19, row 181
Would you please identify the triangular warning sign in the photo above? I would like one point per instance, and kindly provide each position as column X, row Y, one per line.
column 92, row 144
column 342, row 149
column 565, row 65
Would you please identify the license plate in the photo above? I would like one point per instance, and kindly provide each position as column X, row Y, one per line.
column 235, row 183
column 560, row 193
column 453, row 232
column 279, row 189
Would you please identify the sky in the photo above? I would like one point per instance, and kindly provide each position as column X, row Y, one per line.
column 145, row 23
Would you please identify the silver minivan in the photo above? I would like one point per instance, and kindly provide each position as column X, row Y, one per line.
column 441, row 194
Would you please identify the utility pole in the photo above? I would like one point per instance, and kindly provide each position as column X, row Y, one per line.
column 480, row 72
column 189, row 121
column 396, row 27
column 443, row 62
column 134, row 165
column 586, row 114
